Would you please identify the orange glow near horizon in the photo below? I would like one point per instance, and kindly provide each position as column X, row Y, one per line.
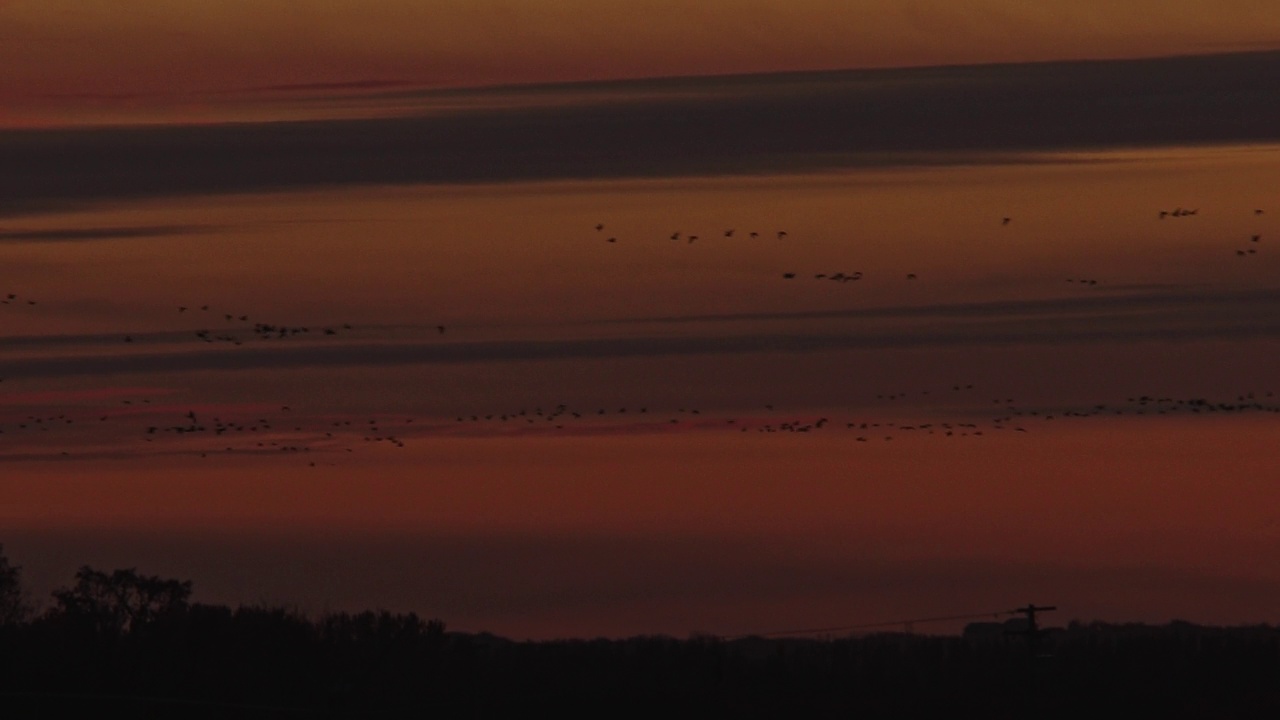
column 1127, row 499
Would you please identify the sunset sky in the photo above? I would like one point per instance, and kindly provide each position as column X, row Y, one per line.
column 76, row 61
column 575, row 319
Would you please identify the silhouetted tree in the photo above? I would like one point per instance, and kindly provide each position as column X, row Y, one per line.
column 13, row 601
column 122, row 601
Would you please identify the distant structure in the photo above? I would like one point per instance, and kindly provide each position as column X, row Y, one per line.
column 1025, row 626
column 1030, row 612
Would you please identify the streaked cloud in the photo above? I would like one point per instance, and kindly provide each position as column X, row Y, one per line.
column 733, row 125
column 1121, row 318
column 84, row 234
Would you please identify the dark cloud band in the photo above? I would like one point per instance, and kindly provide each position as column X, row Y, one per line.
column 1170, row 316
column 655, row 128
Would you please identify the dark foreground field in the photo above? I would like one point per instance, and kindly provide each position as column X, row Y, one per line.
column 129, row 643
column 255, row 662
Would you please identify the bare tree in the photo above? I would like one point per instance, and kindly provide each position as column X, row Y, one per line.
column 122, row 601
column 13, row 600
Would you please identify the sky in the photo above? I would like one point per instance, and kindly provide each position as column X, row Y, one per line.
column 570, row 319
column 76, row 61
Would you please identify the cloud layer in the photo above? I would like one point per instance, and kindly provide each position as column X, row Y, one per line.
column 751, row 124
column 1121, row 318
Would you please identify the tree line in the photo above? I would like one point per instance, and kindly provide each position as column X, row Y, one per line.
column 136, row 643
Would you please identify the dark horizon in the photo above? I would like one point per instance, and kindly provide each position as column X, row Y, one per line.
column 130, row 641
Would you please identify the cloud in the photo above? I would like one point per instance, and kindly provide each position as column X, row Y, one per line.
column 351, row 85
column 55, row 398
column 1122, row 318
column 678, row 127
column 69, row 234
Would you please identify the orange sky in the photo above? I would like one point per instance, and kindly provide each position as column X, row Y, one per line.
column 627, row 523
column 1022, row 257
column 548, row 537
column 68, row 58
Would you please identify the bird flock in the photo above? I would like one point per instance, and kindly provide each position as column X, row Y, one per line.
column 958, row 413
column 845, row 276
column 290, row 429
